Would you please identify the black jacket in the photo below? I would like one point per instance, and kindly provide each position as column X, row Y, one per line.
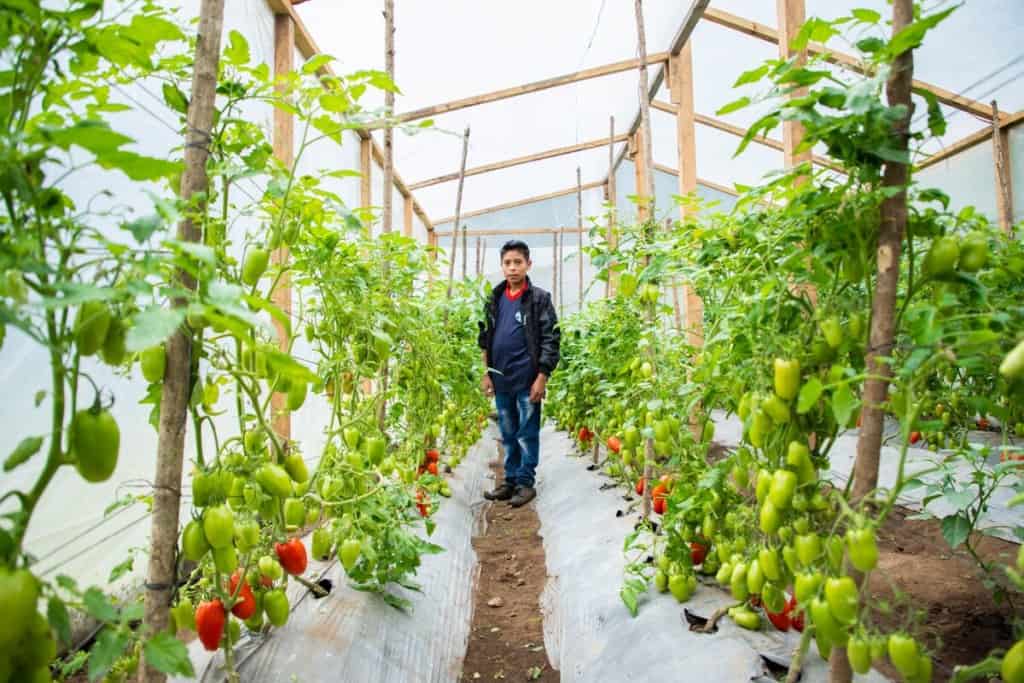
column 543, row 337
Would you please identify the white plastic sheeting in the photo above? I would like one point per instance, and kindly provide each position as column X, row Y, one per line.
column 355, row 636
column 589, row 634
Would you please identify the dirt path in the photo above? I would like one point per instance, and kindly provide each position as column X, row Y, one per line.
column 506, row 641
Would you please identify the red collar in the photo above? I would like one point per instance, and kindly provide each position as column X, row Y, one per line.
column 513, row 297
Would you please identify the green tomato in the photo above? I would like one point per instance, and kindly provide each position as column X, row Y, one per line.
column 193, row 542
column 787, row 378
column 275, row 604
column 904, row 654
column 225, row 559
column 219, row 526
column 973, row 253
column 255, row 264
column 1013, row 664
column 275, row 480
column 805, row 586
column 862, row 548
column 859, row 653
column 832, row 331
column 270, row 568
column 321, row 544
column 738, row 581
column 294, row 512
column 755, row 578
column 769, row 518
column 777, row 409
column 808, row 548
column 349, row 554
column 91, row 327
column 661, row 581
column 297, row 395
column 95, row 442
column 19, row 593
column 942, row 257
column 768, row 559
column 296, row 468
column 842, row 597
column 783, row 485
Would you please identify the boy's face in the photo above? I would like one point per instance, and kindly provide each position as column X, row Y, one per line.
column 515, row 266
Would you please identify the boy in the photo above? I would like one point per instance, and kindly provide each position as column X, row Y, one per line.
column 520, row 342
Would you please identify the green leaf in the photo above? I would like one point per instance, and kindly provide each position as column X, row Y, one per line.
column 867, row 16
column 283, row 364
column 870, row 45
column 237, row 51
column 133, row 611
column 142, row 228
column 316, row 62
column 955, row 529
column 936, row 121
column 121, row 569
column 843, row 404
column 167, row 654
column 275, row 312
column 138, row 167
column 752, row 76
column 735, row 105
column 98, row 606
column 629, row 598
column 810, row 392
column 814, row 29
column 67, row 583
column 109, row 646
column 28, row 447
column 175, row 98
column 57, row 614
column 153, row 326
column 200, row 252
column 911, row 36
column 94, row 136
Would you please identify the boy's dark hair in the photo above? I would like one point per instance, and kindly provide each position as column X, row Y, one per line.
column 516, row 245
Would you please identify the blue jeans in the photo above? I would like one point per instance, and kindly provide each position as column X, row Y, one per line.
column 519, row 422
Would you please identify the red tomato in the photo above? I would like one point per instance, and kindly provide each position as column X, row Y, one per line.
column 432, row 468
column 433, row 455
column 915, row 437
column 423, row 502
column 659, row 491
column 660, row 505
column 585, row 434
column 983, row 423
column 614, row 444
column 698, row 551
column 668, row 481
column 640, row 486
column 780, row 620
column 292, row 556
column 246, row 605
column 210, row 620
column 795, row 620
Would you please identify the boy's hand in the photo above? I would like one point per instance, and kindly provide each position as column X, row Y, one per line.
column 539, row 388
column 487, row 385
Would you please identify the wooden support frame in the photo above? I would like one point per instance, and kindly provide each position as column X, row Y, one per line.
column 1003, row 178
column 737, row 131
column 407, row 214
column 517, row 161
column 521, row 202
column 971, row 140
column 497, row 232
column 791, row 15
column 770, row 35
column 366, row 174
column 536, row 86
column 308, row 48
column 284, row 151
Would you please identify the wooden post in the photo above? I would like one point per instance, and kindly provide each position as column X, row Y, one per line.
column 896, row 176
column 579, row 235
column 681, row 89
column 641, row 176
column 561, row 271
column 284, row 151
column 407, row 218
column 1004, row 185
column 160, row 576
column 366, row 171
column 609, row 286
column 646, row 190
column 389, row 106
column 458, row 211
column 465, row 251
column 554, row 269
column 477, row 260
column 791, row 16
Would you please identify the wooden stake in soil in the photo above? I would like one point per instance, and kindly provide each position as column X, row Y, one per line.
column 1004, row 186
column 177, row 377
column 458, row 210
column 883, row 313
column 389, row 106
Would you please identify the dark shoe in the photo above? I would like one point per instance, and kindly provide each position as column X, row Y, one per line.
column 524, row 494
column 503, row 492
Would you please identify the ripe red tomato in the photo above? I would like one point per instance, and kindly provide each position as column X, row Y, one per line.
column 983, row 423
column 640, row 483
column 432, row 468
column 698, row 551
column 246, row 605
column 433, row 455
column 423, row 503
column 780, row 620
column 614, row 444
column 210, row 620
column 585, row 434
column 795, row 620
column 660, row 505
column 915, row 437
column 292, row 556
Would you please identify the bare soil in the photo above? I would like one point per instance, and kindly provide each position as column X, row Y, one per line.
column 506, row 641
column 961, row 620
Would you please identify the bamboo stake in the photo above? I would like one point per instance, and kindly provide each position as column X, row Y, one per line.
column 178, row 375
column 579, row 245
column 1004, row 188
column 883, row 313
column 458, row 210
column 389, row 106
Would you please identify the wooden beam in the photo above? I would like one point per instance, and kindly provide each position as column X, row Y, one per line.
column 366, row 174
column 770, row 35
column 740, row 132
column 308, row 48
column 612, row 281
column 497, row 232
column 539, row 156
column 791, row 15
column 643, row 175
column 700, row 181
column 387, row 201
column 536, row 86
column 407, row 210
column 521, row 202
column 284, row 151
column 1004, row 184
column 970, row 141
